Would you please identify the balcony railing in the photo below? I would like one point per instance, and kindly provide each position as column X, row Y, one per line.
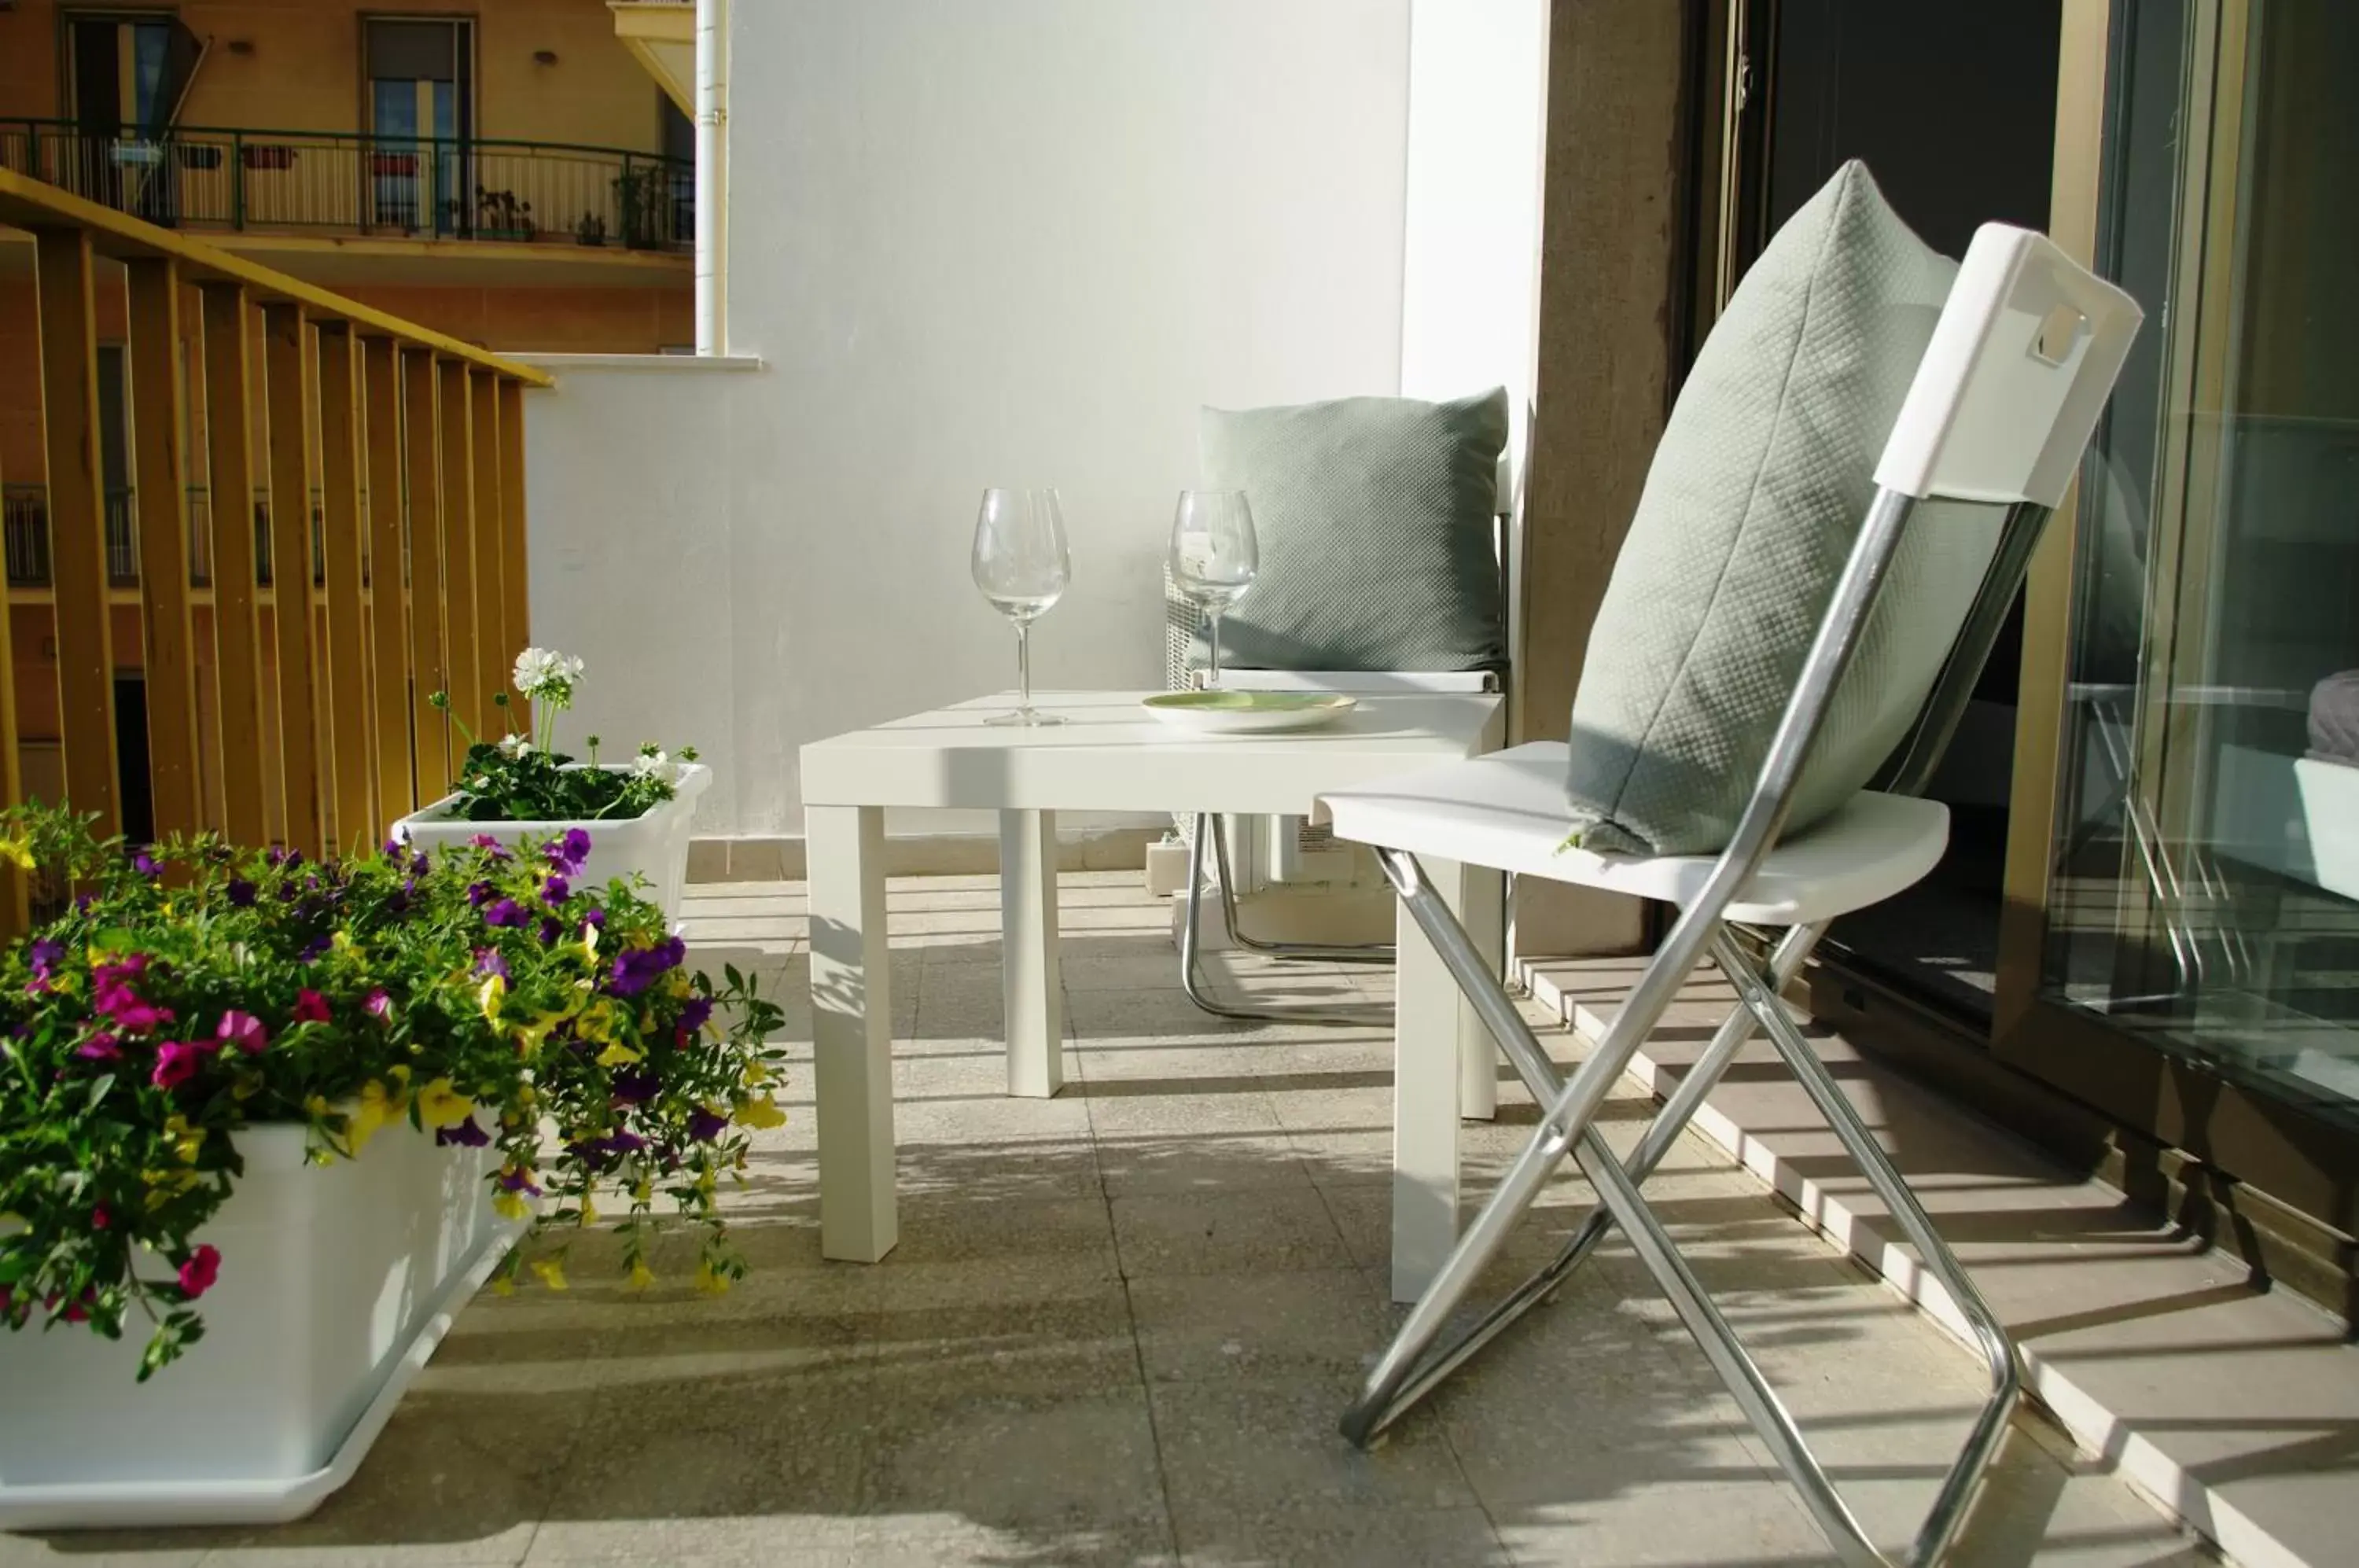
column 417, row 457
column 345, row 183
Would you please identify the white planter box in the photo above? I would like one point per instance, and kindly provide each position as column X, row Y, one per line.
column 337, row 1281
column 654, row 845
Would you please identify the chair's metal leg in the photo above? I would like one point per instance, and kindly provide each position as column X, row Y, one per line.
column 1333, row 953
column 1540, row 1076
column 1190, row 941
column 1990, row 1334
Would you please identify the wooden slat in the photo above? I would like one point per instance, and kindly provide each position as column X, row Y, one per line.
column 422, row 424
column 515, row 581
column 358, row 822
column 68, row 318
column 30, row 204
column 237, row 633
column 288, row 370
column 388, row 608
column 15, row 912
column 159, row 475
column 493, row 654
column 458, row 552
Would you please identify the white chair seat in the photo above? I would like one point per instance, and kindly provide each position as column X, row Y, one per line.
column 1506, row 811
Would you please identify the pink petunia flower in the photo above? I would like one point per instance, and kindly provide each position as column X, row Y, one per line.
column 197, row 1274
column 100, row 1047
column 244, row 1030
column 311, row 1008
column 177, row 1061
column 378, row 1006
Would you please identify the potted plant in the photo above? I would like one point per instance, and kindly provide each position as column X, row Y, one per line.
column 635, row 814
column 264, row 1125
column 591, row 230
column 638, row 197
column 500, row 216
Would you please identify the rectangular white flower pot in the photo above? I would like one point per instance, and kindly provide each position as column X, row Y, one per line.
column 336, row 1283
column 654, row 845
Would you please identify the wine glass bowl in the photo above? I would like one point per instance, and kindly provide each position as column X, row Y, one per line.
column 1213, row 558
column 1022, row 564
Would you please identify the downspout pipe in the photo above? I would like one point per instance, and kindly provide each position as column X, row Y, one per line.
column 712, row 177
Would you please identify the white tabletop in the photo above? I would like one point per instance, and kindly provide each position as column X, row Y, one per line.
column 1111, row 755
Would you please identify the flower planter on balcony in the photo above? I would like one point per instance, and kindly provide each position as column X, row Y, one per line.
column 654, row 845
column 337, row 1281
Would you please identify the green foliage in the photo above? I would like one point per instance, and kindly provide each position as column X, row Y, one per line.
column 189, row 991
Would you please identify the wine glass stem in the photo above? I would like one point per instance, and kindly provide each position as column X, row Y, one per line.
column 1213, row 636
column 1024, row 666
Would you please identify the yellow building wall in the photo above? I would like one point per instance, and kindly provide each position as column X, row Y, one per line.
column 303, row 73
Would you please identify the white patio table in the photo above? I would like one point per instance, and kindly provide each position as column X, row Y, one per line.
column 1110, row 755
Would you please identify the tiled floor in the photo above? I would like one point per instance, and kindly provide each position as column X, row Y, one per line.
column 1120, row 1326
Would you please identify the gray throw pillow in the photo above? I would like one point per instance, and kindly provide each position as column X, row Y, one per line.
column 1751, row 506
column 1374, row 517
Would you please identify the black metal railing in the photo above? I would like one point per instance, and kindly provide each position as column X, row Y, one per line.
column 344, row 182
column 25, row 529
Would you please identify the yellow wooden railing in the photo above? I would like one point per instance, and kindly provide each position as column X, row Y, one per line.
column 437, row 424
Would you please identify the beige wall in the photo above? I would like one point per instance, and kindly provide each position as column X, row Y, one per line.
column 304, row 71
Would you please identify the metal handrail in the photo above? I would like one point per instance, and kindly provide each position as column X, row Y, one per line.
column 24, row 533
column 487, row 189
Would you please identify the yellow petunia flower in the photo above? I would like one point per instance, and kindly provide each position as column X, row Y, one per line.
column 710, row 1282
column 18, row 852
column 758, row 1075
column 761, row 1112
column 641, row 1275
column 342, row 942
column 596, row 1021
column 508, row 1206
column 440, row 1106
column 377, row 1106
column 503, row 1286
column 617, row 1055
column 551, row 1271
column 187, row 1142
column 589, row 1210
column 494, row 991
column 643, row 1192
column 529, row 1036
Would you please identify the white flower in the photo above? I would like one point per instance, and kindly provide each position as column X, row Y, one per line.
column 513, row 746
column 651, row 763
column 544, row 673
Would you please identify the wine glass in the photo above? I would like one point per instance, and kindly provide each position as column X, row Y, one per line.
column 1022, row 566
column 1214, row 557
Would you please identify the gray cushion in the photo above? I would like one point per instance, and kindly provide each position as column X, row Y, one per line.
column 1751, row 506
column 1375, row 516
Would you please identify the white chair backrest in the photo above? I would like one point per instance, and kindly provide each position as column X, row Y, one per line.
column 2019, row 368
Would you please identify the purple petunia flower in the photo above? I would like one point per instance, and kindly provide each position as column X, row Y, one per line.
column 466, row 1135
column 393, row 848
column 595, row 915
column 82, row 901
column 490, row 845
column 637, row 968
column 419, row 864
column 288, row 858
column 146, row 865
column 705, row 1126
column 694, row 1015
column 550, row 931
column 240, row 893
column 44, row 955
column 568, row 853
column 518, row 1181
column 489, row 962
column 505, row 912
column 634, row 1088
column 556, row 889
column 480, row 893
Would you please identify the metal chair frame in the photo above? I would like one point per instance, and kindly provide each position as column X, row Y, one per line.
column 1961, row 432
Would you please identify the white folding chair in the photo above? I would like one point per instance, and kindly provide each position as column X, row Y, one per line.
column 2020, row 363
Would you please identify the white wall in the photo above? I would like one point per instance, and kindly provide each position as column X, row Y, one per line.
column 1017, row 243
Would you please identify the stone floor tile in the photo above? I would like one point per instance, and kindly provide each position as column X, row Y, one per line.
column 1200, row 1162
column 1036, row 1325
column 1269, row 1229
column 946, row 1540
column 1150, row 1109
column 1256, row 1326
column 954, row 1226
column 1081, row 1458
column 108, row 1548
column 1242, row 1448
column 1754, row 1525
column 1345, row 1538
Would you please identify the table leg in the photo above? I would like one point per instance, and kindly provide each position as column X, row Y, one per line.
column 1427, row 1083
column 852, row 1031
column 1027, row 946
column 1481, row 907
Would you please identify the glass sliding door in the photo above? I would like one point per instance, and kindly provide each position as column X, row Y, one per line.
column 2188, row 939
column 420, row 123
